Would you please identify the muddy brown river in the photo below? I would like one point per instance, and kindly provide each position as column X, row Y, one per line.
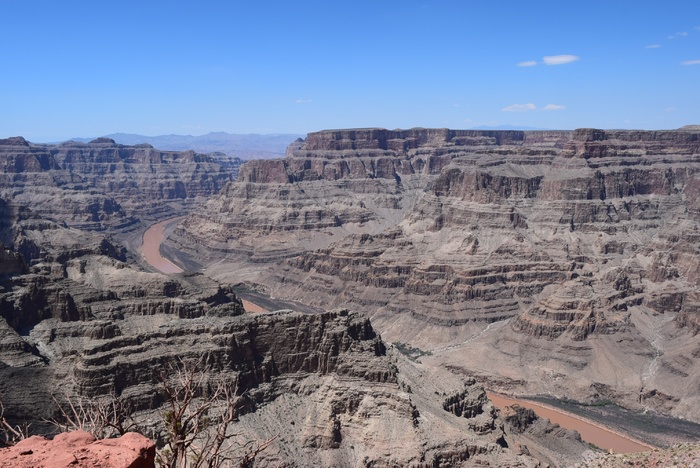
column 590, row 432
column 150, row 248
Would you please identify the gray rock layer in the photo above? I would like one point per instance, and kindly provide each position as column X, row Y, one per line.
column 572, row 257
column 103, row 185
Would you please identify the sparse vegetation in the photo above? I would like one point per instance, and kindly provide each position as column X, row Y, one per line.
column 105, row 417
column 198, row 419
column 410, row 351
column 195, row 427
column 11, row 434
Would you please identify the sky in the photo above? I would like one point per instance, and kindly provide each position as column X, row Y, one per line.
column 91, row 68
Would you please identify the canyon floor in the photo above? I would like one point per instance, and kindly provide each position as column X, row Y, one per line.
column 367, row 288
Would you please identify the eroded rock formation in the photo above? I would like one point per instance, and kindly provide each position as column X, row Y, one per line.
column 572, row 257
column 80, row 450
column 102, row 185
column 79, row 322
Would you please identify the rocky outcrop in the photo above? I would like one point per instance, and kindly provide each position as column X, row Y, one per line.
column 549, row 443
column 81, row 324
column 584, row 241
column 102, row 185
column 80, row 450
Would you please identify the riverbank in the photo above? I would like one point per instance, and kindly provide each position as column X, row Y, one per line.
column 152, row 250
column 591, row 432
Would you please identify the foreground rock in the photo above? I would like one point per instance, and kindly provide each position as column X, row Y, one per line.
column 81, row 450
column 572, row 257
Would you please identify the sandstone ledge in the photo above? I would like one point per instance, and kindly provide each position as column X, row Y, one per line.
column 80, row 450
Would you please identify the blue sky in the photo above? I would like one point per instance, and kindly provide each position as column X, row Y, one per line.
column 90, row 68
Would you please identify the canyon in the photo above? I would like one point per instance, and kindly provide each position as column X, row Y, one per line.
column 562, row 263
column 417, row 267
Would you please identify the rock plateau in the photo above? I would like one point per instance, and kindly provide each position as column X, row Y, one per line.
column 544, row 262
column 81, row 319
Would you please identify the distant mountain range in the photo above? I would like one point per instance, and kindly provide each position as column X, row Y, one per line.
column 244, row 146
column 507, row 127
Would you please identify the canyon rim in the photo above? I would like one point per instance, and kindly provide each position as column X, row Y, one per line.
column 555, row 263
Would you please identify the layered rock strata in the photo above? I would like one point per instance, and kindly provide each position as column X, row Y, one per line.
column 574, row 250
column 102, row 185
column 323, row 386
column 81, row 324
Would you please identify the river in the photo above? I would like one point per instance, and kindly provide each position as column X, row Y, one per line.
column 150, row 249
column 590, row 432
column 152, row 238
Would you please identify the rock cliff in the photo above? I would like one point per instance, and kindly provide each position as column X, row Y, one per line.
column 102, row 185
column 79, row 322
column 572, row 257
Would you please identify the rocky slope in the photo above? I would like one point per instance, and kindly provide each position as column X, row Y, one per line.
column 102, row 185
column 572, row 257
column 76, row 321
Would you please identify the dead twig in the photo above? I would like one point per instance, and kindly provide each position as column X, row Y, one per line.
column 11, row 434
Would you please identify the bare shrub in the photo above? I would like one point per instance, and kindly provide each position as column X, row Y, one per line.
column 11, row 434
column 199, row 419
column 104, row 417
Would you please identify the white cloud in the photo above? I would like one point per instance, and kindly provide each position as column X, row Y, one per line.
column 559, row 59
column 678, row 34
column 303, row 101
column 652, row 46
column 529, row 63
column 691, row 62
column 520, row 108
column 553, row 107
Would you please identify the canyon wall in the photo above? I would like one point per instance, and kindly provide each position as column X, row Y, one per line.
column 78, row 322
column 552, row 262
column 324, row 386
column 105, row 186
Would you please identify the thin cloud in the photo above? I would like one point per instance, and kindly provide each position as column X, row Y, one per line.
column 653, row 46
column 303, row 101
column 691, row 62
column 678, row 34
column 553, row 107
column 559, row 59
column 551, row 60
column 520, row 108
